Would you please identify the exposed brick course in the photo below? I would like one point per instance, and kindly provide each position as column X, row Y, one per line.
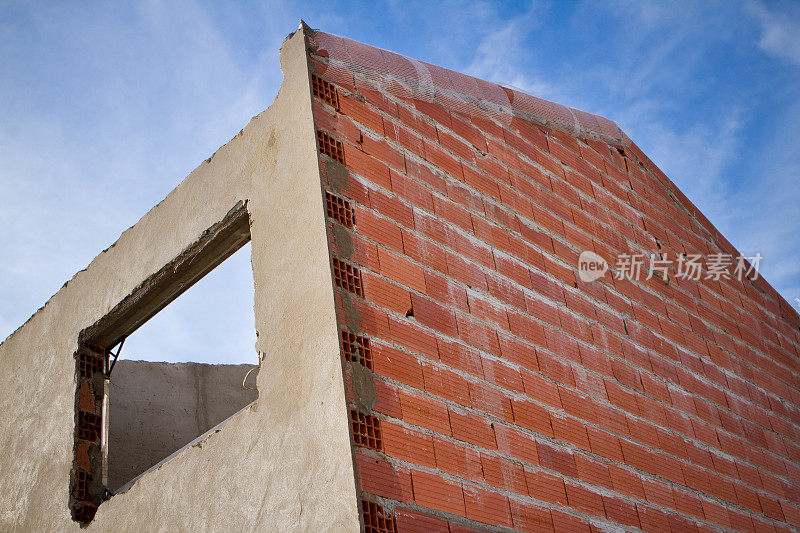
column 509, row 392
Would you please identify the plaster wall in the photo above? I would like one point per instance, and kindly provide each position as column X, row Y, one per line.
column 157, row 408
column 284, row 463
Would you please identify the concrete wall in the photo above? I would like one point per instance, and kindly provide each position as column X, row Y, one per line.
column 283, row 464
column 157, row 408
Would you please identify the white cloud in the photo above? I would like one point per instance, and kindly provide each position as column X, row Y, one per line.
column 501, row 52
column 780, row 32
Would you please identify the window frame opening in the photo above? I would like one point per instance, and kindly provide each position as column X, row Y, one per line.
column 100, row 344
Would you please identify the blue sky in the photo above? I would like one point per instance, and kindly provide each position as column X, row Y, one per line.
column 107, row 106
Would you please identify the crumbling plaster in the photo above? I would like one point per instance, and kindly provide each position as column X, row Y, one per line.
column 283, row 464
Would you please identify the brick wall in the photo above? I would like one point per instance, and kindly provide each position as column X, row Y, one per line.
column 488, row 385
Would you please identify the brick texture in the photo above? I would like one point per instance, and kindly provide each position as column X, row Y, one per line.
column 507, row 392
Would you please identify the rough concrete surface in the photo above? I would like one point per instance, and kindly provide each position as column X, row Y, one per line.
column 157, row 408
column 283, row 464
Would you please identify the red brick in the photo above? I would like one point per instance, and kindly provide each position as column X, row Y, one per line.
column 416, row 121
column 459, row 148
column 386, row 294
column 557, row 458
column 380, row 478
column 433, row 315
column 604, row 444
column 771, row 507
column 503, row 375
column 387, row 399
column 337, row 125
column 791, row 513
column 518, row 352
column 584, row 499
column 392, row 207
column 532, row 416
column 397, row 364
column 367, row 166
column 504, row 474
column 526, row 328
column 446, row 384
column 570, row 430
column 491, row 400
column 400, row 269
column 408, row 521
column 442, row 159
column 434, row 492
column 487, row 507
column 540, row 389
column 565, row 522
column 482, row 309
column 460, row 357
column 592, row 471
column 470, row 428
column 477, row 334
column 555, row 369
column 411, row 191
column 527, row 517
column 458, row 459
column 445, row 291
column 658, row 493
column 621, row 512
column 380, row 149
column 425, row 412
column 626, row 482
column 407, row 445
column 381, row 230
column 361, row 112
column 414, row 338
column 546, row 487
column 452, row 212
column 515, row 443
column 651, row 519
column 687, row 504
column 482, row 181
column 466, row 272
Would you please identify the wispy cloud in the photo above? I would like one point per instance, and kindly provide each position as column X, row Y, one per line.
column 654, row 76
column 106, row 112
column 779, row 30
column 108, row 107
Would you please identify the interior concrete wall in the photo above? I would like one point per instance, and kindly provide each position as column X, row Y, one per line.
column 284, row 463
column 157, row 408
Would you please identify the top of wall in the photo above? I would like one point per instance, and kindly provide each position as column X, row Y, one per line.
column 409, row 78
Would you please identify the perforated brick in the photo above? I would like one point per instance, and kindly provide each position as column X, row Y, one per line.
column 82, row 480
column 89, row 363
column 84, row 513
column 356, row 349
column 347, row 277
column 88, row 426
column 366, row 430
column 339, row 210
column 325, row 91
column 376, row 519
column 331, row 147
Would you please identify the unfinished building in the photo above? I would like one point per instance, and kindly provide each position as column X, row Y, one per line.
column 430, row 358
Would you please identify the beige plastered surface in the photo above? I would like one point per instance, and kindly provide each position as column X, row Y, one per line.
column 283, row 464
